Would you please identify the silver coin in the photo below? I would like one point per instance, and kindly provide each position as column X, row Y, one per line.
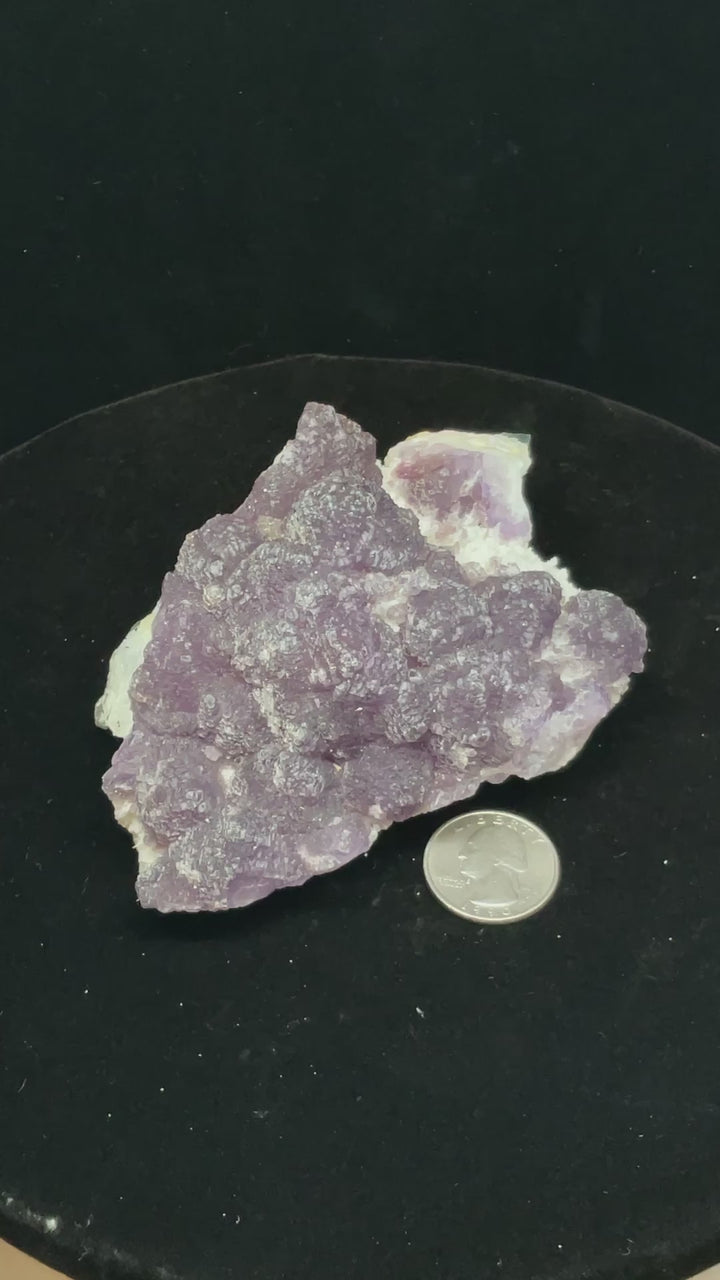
column 491, row 867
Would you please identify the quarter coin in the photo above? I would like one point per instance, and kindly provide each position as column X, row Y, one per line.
column 492, row 867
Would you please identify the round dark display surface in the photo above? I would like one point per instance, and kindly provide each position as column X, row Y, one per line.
column 346, row 1081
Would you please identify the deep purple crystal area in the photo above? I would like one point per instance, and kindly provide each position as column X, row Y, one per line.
column 319, row 670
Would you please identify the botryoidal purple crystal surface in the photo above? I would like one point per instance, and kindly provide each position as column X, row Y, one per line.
column 353, row 645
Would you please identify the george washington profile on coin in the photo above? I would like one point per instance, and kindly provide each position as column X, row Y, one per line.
column 493, row 863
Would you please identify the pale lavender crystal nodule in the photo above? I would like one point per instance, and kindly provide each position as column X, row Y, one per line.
column 350, row 647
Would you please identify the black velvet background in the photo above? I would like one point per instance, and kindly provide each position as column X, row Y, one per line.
column 191, row 184
column 347, row 1081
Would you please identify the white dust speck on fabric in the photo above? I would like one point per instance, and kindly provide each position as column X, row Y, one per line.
column 49, row 1223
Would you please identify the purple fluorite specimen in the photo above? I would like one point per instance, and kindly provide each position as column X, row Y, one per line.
column 320, row 666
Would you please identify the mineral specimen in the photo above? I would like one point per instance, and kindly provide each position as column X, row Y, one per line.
column 352, row 646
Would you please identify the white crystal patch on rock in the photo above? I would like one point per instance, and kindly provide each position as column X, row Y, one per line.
column 466, row 489
column 113, row 711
